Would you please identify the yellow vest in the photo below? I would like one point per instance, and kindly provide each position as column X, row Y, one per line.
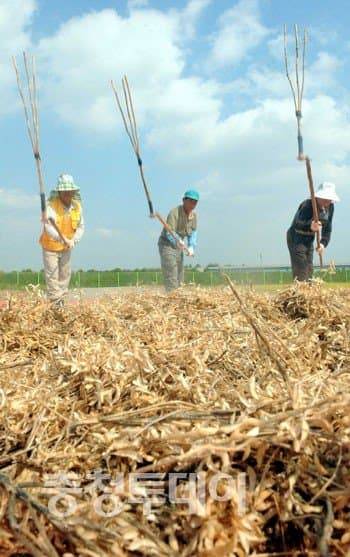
column 67, row 222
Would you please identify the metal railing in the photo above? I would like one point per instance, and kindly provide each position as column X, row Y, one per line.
column 100, row 279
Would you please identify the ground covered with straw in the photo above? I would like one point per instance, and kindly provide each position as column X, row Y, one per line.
column 202, row 423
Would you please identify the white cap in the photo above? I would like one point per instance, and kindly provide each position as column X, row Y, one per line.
column 327, row 191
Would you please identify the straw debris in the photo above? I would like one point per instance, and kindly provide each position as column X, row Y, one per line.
column 188, row 384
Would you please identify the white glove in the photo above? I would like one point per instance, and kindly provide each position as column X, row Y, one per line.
column 70, row 243
column 190, row 251
column 181, row 244
column 320, row 249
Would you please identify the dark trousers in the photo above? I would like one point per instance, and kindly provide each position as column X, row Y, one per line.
column 301, row 257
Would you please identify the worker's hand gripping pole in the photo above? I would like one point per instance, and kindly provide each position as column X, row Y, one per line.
column 314, row 206
column 169, row 230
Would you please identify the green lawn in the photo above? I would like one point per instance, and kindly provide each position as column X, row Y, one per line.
column 262, row 279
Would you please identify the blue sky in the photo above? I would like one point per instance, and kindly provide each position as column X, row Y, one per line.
column 214, row 112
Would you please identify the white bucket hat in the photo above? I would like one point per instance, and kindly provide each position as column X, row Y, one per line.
column 327, row 191
column 65, row 182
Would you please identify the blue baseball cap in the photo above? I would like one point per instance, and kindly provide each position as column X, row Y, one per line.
column 191, row 194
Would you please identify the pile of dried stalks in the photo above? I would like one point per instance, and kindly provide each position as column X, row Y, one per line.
column 201, row 382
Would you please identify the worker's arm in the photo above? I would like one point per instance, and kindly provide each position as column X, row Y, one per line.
column 303, row 217
column 192, row 242
column 172, row 222
column 192, row 239
column 327, row 227
column 49, row 228
column 80, row 230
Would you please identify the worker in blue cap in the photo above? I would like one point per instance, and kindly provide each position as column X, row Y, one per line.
column 183, row 222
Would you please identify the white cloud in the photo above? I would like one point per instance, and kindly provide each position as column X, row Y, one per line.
column 17, row 199
column 275, row 47
column 107, row 232
column 260, row 82
column 190, row 15
column 322, row 73
column 15, row 18
column 87, row 51
column 240, row 31
column 324, row 36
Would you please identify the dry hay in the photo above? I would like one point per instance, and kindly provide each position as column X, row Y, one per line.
column 201, row 381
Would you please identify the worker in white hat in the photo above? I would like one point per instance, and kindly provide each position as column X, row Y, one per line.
column 63, row 229
column 301, row 234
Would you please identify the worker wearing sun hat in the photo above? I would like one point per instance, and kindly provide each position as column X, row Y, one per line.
column 183, row 222
column 301, row 234
column 63, row 229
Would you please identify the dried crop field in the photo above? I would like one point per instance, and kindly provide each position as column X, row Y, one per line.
column 244, row 395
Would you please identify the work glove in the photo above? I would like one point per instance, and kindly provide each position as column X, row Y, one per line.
column 316, row 226
column 69, row 243
column 181, row 244
column 320, row 249
column 190, row 251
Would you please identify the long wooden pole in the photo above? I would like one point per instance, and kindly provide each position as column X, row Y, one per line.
column 314, row 205
column 31, row 114
column 131, row 130
column 297, row 92
column 129, row 120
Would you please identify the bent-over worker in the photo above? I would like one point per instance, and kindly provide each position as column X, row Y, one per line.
column 301, row 234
